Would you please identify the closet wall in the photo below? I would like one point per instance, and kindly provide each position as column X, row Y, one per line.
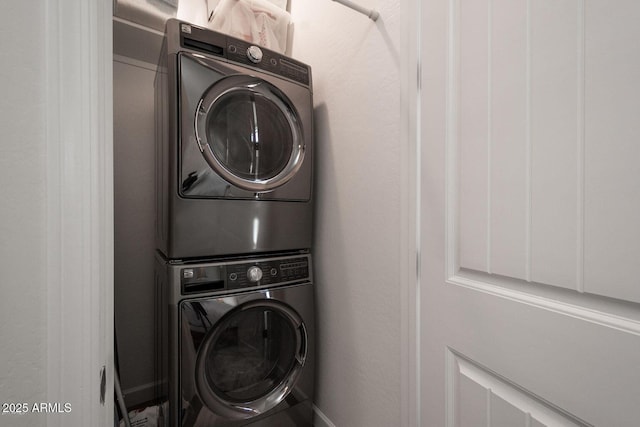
column 135, row 57
column 359, row 241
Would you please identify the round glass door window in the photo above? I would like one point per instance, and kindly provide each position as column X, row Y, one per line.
column 249, row 133
column 251, row 359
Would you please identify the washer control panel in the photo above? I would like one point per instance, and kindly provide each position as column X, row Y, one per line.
column 213, row 278
column 267, row 272
column 254, row 273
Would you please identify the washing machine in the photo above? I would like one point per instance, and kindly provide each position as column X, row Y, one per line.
column 236, row 341
column 234, row 138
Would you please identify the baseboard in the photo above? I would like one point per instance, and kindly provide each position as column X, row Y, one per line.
column 320, row 419
column 140, row 396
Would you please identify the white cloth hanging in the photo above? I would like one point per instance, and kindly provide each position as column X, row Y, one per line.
column 282, row 4
column 257, row 21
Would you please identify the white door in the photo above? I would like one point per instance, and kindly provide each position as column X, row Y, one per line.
column 530, row 213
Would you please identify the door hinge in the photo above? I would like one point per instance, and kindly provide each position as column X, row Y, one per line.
column 103, row 383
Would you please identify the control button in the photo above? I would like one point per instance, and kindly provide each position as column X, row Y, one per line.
column 254, row 274
column 232, row 48
column 274, row 272
column 273, row 62
column 254, row 53
column 233, row 276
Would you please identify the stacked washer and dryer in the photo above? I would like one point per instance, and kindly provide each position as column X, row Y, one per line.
column 235, row 306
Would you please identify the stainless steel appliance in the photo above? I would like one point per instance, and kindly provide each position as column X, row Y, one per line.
column 236, row 341
column 234, row 135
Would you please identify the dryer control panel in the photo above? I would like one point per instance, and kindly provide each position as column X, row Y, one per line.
column 242, row 52
column 245, row 53
column 238, row 275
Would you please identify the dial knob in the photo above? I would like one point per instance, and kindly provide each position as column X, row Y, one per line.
column 254, row 274
column 254, row 53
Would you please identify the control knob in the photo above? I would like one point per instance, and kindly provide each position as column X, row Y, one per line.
column 254, row 274
column 254, row 53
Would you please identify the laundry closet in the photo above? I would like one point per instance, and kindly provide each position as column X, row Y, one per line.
column 475, row 228
column 138, row 34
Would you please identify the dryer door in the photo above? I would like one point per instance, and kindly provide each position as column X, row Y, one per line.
column 249, row 133
column 250, row 359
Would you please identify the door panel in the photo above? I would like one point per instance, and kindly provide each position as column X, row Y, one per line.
column 518, row 137
column 612, row 152
column 530, row 197
column 555, row 141
column 485, row 396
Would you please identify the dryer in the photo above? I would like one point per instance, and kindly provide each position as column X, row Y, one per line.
column 234, row 138
column 239, row 336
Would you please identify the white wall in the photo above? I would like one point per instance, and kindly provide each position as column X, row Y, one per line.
column 358, row 188
column 23, row 290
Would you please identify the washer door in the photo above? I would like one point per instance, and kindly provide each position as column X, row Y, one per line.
column 249, row 133
column 251, row 359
